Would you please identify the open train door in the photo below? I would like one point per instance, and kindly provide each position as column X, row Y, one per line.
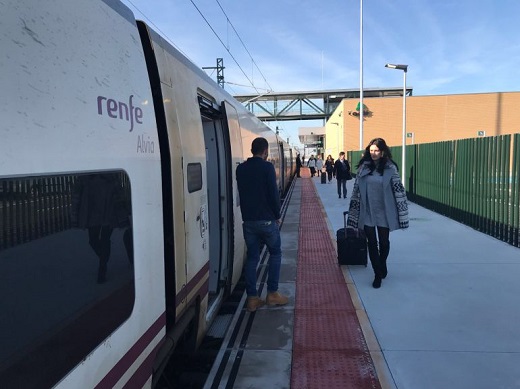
column 219, row 185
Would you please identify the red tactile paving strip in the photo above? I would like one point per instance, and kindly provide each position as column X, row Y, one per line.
column 327, row 369
column 315, row 273
column 329, row 349
column 315, row 295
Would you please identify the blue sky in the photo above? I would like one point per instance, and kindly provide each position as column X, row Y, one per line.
column 450, row 46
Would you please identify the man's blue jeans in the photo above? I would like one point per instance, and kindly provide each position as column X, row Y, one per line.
column 342, row 183
column 256, row 232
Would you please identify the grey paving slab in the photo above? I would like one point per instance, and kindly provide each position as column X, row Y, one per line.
column 290, row 256
column 272, row 329
column 296, row 196
column 288, row 271
column 264, row 369
column 289, row 231
column 292, row 216
column 289, row 238
column 454, row 370
column 455, row 307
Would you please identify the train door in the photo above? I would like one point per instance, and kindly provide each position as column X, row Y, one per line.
column 218, row 162
column 236, row 240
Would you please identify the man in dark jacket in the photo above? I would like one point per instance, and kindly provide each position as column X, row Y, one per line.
column 342, row 173
column 260, row 206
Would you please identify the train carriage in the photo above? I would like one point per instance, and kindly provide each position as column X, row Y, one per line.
column 78, row 116
column 120, row 226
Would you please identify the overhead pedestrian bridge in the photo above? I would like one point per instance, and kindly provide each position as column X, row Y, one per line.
column 307, row 105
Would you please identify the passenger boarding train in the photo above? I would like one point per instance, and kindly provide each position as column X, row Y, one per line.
column 120, row 226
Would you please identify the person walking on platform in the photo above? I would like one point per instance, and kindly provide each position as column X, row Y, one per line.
column 342, row 173
column 260, row 207
column 311, row 164
column 298, row 165
column 319, row 165
column 378, row 202
column 329, row 167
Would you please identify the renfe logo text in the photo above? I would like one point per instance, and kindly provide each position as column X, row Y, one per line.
column 117, row 109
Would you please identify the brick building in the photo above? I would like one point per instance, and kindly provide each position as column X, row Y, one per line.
column 428, row 119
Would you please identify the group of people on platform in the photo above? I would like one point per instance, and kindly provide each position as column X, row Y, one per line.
column 378, row 205
column 340, row 169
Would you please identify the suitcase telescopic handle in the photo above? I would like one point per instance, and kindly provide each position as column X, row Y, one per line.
column 345, row 213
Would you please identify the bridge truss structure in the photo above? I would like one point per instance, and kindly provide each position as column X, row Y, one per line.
column 307, row 105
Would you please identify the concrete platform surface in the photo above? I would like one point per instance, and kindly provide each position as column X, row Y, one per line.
column 448, row 314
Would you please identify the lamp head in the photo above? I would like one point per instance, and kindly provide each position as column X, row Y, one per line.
column 399, row 67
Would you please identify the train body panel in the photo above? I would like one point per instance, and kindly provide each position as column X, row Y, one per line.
column 77, row 109
column 185, row 138
column 100, row 111
column 204, row 144
column 77, row 101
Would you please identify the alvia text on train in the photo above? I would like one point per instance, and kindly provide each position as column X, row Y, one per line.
column 120, row 226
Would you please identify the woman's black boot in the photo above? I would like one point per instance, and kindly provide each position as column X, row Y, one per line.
column 373, row 253
column 384, row 250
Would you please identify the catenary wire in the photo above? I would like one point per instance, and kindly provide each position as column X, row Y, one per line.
column 227, row 49
column 178, row 48
column 243, row 44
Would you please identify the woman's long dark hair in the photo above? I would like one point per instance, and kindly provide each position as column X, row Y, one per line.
column 386, row 156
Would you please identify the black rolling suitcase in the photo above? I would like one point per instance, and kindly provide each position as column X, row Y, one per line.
column 323, row 178
column 352, row 245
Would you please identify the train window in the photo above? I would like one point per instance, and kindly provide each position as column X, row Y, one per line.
column 67, row 278
column 194, row 177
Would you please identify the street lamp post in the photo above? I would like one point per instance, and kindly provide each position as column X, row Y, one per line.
column 337, row 135
column 361, row 113
column 404, row 68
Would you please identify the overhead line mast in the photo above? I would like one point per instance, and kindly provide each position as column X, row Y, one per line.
column 220, row 71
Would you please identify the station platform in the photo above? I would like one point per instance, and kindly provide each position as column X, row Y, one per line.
column 446, row 316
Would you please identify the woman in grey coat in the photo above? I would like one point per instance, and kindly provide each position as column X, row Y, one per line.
column 378, row 203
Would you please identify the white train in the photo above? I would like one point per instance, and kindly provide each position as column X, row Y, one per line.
column 120, row 227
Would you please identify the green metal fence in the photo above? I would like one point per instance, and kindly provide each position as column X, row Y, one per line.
column 474, row 181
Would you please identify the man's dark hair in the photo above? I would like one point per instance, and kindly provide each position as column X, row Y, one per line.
column 259, row 145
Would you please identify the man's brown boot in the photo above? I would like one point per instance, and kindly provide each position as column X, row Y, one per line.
column 253, row 303
column 275, row 298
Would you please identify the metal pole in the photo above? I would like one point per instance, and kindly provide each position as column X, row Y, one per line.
column 361, row 75
column 403, row 161
column 337, row 138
